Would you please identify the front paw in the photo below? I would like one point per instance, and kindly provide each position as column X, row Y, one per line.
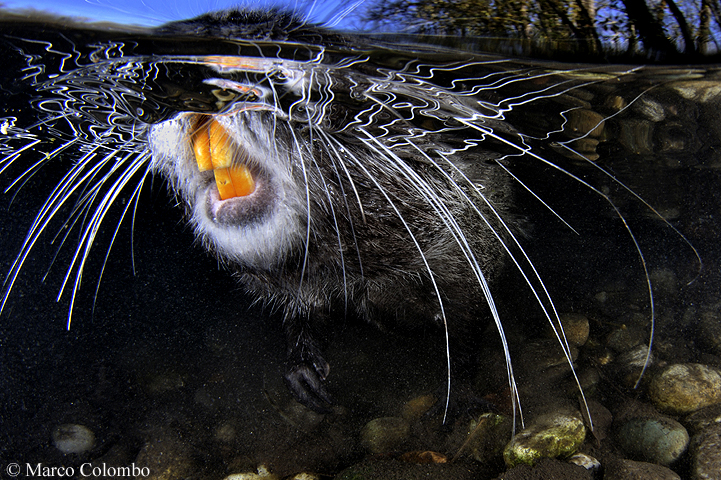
column 305, row 382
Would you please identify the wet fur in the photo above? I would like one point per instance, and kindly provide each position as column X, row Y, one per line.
column 391, row 213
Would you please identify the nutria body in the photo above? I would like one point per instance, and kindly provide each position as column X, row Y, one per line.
column 357, row 212
column 365, row 183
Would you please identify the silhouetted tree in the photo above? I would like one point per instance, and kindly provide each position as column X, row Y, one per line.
column 657, row 28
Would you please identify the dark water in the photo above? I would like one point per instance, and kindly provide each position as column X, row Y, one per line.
column 171, row 357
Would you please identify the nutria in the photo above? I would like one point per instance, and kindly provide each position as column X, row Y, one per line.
column 335, row 175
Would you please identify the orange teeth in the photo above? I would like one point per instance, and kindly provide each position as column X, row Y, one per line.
column 201, row 149
column 214, row 150
column 234, row 182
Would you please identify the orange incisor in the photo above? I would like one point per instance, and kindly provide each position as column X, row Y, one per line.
column 214, row 151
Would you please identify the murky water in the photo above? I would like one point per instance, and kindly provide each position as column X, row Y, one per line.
column 172, row 368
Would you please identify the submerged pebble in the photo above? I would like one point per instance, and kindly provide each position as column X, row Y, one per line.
column 416, row 407
column 636, row 135
column 708, row 331
column 632, row 470
column 304, row 476
column 166, row 458
column 262, row 473
column 576, row 328
column 543, row 354
column 685, row 387
column 70, row 438
column 698, row 90
column 585, row 123
column 650, row 108
column 385, row 434
column 702, row 419
column 488, row 436
column 659, row 440
column 554, row 435
column 585, row 461
column 632, row 364
column 625, row 338
column 706, row 454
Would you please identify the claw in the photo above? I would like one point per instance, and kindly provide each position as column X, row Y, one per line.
column 306, row 385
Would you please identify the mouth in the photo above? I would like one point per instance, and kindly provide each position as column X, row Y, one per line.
column 215, row 151
column 240, row 191
column 233, row 174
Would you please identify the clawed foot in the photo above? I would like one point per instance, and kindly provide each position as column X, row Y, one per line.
column 305, row 382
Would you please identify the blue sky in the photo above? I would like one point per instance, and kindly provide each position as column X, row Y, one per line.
column 155, row 12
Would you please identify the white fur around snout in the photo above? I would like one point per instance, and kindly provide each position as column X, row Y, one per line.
column 261, row 244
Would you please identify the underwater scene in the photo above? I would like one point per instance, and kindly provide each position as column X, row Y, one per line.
column 244, row 246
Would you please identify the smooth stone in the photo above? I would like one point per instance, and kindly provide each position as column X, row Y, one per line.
column 585, row 123
column 576, row 327
column 625, row 338
column 488, row 435
column 636, row 135
column 589, row 379
column 261, row 473
column 547, row 469
column 615, row 102
column 386, row 468
column 385, row 434
column 702, row 419
column 305, row 476
column 708, row 331
column 650, row 109
column 601, row 419
column 699, row 91
column 659, row 440
column 637, row 357
column 632, row 364
column 585, row 461
column 552, row 435
column 544, row 354
column 706, row 454
column 685, row 387
column 416, row 407
column 631, row 470
column 166, row 458
column 70, row 438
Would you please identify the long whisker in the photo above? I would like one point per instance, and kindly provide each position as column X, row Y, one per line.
column 91, row 230
column 334, row 164
column 613, row 178
column 133, row 200
column 309, row 220
column 431, row 275
column 337, row 230
column 527, row 151
column 460, row 238
column 55, row 201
